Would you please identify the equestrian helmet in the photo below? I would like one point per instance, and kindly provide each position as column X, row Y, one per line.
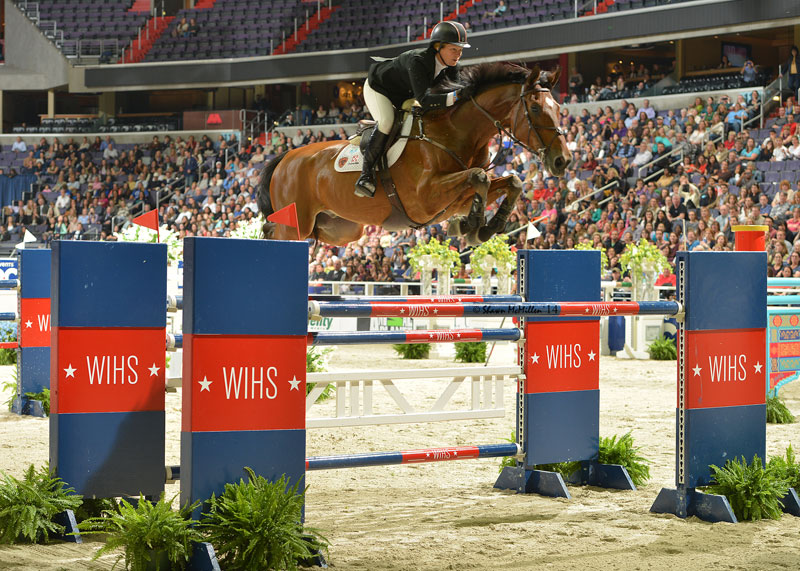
column 450, row 32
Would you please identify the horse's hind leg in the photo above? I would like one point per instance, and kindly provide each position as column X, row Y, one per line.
column 513, row 188
column 334, row 230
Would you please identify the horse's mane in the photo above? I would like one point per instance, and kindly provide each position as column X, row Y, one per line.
column 483, row 75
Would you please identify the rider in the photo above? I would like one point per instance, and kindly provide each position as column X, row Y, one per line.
column 411, row 74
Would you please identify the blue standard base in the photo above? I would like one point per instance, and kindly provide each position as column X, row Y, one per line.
column 791, row 503
column 593, row 473
column 685, row 502
column 540, row 482
column 203, row 558
column 71, row 532
column 28, row 407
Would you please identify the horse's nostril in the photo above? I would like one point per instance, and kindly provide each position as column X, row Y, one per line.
column 559, row 162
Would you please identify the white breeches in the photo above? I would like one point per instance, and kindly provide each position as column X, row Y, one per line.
column 380, row 108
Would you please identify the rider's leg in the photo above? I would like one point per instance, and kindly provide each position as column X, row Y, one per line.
column 382, row 111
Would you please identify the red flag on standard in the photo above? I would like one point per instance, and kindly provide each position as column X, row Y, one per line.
column 286, row 216
column 148, row 220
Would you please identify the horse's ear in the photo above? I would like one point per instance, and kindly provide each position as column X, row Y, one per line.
column 554, row 75
column 533, row 77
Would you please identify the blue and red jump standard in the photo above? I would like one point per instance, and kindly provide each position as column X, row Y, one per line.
column 721, row 412
column 244, row 363
column 559, row 400
column 34, row 327
column 107, row 367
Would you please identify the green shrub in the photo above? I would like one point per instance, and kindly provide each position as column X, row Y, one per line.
column 509, row 461
column 777, row 412
column 754, row 492
column 413, row 350
column 257, row 525
column 43, row 397
column 10, row 386
column 8, row 333
column 317, row 362
column 28, row 506
column 317, row 359
column 787, row 468
column 624, row 453
column 566, row 469
column 471, row 352
column 663, row 349
column 151, row 535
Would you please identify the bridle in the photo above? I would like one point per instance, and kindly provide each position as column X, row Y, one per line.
column 541, row 149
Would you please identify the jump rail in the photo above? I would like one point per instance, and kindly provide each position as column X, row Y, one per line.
column 469, row 309
column 416, row 336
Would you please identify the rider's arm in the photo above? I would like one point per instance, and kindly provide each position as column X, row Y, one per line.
column 421, row 84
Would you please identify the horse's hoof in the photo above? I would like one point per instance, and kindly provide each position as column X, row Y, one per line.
column 485, row 233
column 473, row 239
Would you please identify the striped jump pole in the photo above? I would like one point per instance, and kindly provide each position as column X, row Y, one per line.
column 411, row 456
column 471, row 309
column 8, row 316
column 413, row 336
column 418, row 298
column 421, row 456
column 9, row 284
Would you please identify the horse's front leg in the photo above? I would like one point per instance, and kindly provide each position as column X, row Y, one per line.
column 477, row 181
column 511, row 186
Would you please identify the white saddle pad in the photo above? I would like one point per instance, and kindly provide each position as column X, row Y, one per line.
column 349, row 158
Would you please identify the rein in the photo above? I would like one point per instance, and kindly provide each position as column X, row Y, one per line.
column 541, row 149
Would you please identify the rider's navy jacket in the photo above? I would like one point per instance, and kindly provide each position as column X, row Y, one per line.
column 411, row 75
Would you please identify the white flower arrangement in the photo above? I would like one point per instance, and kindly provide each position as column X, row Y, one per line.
column 498, row 248
column 249, row 229
column 137, row 233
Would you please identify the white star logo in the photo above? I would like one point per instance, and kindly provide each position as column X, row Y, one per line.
column 757, row 367
column 592, row 355
column 615, row 310
column 534, row 358
column 295, row 384
column 28, row 324
column 70, row 370
column 402, row 310
column 154, row 370
column 697, row 370
column 586, row 310
column 205, row 384
column 435, row 311
column 458, row 335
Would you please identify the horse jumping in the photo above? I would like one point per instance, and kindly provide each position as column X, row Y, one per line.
column 441, row 174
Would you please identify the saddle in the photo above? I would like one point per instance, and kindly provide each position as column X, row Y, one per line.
column 349, row 159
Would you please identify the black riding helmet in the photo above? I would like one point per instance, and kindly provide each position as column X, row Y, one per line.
column 449, row 32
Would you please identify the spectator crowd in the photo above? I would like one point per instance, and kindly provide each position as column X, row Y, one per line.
column 679, row 178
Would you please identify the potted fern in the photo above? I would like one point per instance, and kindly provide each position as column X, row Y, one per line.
column 494, row 253
column 430, row 255
column 643, row 261
column 151, row 535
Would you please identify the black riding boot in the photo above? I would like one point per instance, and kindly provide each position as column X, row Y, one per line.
column 365, row 185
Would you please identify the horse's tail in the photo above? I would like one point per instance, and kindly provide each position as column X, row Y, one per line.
column 262, row 194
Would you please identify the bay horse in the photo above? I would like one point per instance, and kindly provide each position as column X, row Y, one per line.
column 441, row 173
